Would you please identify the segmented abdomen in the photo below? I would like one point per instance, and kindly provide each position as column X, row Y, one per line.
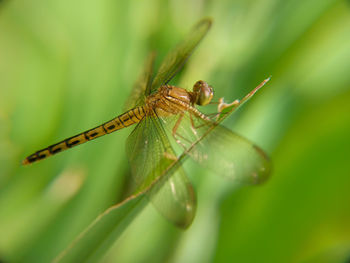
column 126, row 119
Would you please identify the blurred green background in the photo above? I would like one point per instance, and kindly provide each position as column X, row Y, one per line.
column 67, row 66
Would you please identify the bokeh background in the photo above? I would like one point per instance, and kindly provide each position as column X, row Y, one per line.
column 67, row 66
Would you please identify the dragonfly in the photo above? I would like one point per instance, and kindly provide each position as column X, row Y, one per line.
column 167, row 117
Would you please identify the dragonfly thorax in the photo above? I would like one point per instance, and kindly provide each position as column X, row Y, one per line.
column 170, row 100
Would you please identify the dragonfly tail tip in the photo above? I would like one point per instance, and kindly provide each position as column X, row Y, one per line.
column 25, row 162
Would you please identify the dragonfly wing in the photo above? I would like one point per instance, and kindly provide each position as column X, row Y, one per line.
column 174, row 61
column 150, row 154
column 137, row 95
column 174, row 198
column 223, row 151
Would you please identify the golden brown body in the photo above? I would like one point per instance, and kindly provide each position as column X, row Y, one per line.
column 172, row 100
column 168, row 100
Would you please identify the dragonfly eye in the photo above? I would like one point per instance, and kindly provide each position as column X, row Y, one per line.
column 203, row 92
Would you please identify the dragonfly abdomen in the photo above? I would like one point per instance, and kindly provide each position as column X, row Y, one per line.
column 126, row 119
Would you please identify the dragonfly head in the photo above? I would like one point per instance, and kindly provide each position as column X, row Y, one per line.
column 203, row 93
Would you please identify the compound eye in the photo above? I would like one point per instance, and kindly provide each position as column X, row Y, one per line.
column 204, row 93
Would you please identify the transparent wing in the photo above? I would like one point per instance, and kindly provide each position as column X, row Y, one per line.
column 174, row 61
column 150, row 155
column 137, row 95
column 222, row 151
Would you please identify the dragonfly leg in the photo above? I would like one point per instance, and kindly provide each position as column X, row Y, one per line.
column 192, row 125
column 212, row 116
column 193, row 128
column 176, row 135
